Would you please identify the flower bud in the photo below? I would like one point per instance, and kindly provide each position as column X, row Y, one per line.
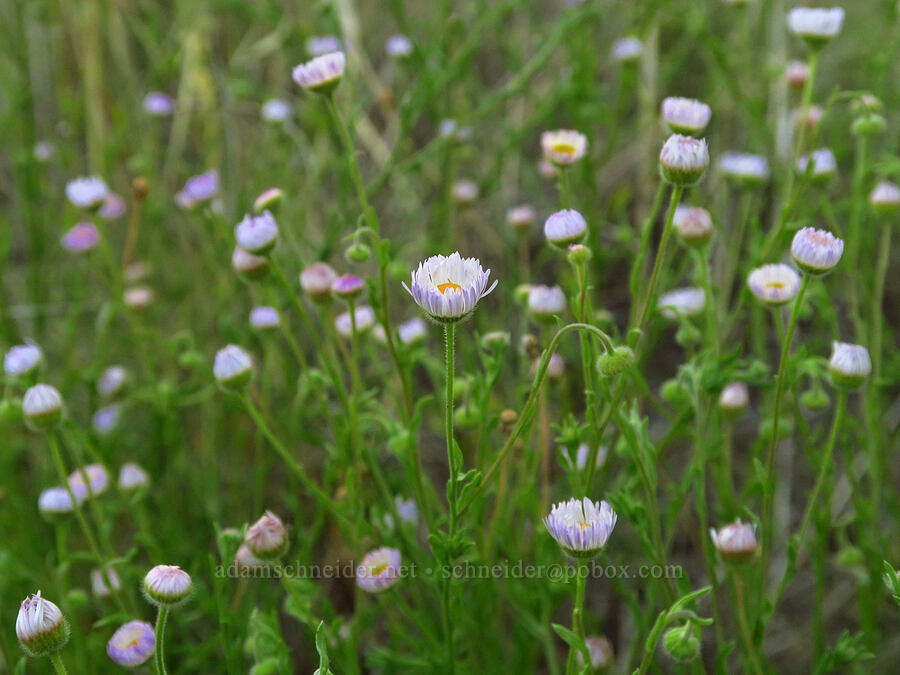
column 322, row 74
column 816, row 252
column 683, row 160
column 358, row 252
column 796, row 74
column 579, row 254
column 850, row 365
column 249, row 266
column 564, row 228
column 316, row 280
column 22, row 359
column 734, row 399
column 465, row 191
column 233, row 367
column 267, row 538
column 42, row 407
column 264, row 318
column 167, row 585
column 270, row 199
column 627, row 50
column 685, row 115
column 41, row 627
column 87, row 193
column 348, row 286
column 137, row 298
column 112, row 381
column 495, row 340
column 521, row 218
column 601, row 652
column 613, row 363
column 736, row 543
column 885, row 199
column 682, row 643
column 57, row 501
column 508, row 419
column 99, row 582
column 871, row 124
column 815, row 25
column 81, row 238
column 257, row 234
column 693, row 225
column 132, row 477
column 815, row 399
column 824, row 166
column 412, row 332
column 545, row 302
column 675, row 392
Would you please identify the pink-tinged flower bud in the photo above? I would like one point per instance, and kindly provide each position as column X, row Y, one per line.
column 276, row 111
column 850, row 365
column 364, row 316
column 379, row 570
column 348, row 286
column 694, row 225
column 565, row 227
column 545, row 302
column 316, row 280
column 270, row 199
column 138, row 298
column 132, row 477
column 601, row 653
column 202, row 188
column 627, row 50
column 99, row 582
column 87, row 193
column 796, row 74
column 91, row 480
column 257, row 234
column 22, row 359
column 133, row 644
column 246, row 562
column 57, row 501
column 81, row 238
column 113, row 207
column 736, row 543
column 233, row 367
column 465, row 191
column 41, row 627
column 264, row 318
column 774, row 284
column 683, row 159
column 734, row 399
column 42, row 407
column 112, row 381
column 521, row 218
column 563, row 146
column 885, row 199
column 167, row 585
column 267, row 538
column 249, row 266
column 158, row 104
column 685, row 115
column 322, row 74
column 816, row 252
column 579, row 254
column 556, row 367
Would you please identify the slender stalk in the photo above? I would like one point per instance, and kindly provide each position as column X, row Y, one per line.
column 159, row 654
column 637, row 272
column 709, row 307
column 577, row 611
column 884, row 253
column 660, row 254
column 353, row 165
column 743, row 624
column 769, row 490
column 58, row 664
column 449, row 334
column 564, row 187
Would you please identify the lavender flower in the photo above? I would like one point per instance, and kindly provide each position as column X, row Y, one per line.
column 581, row 527
column 379, row 570
column 449, row 288
column 133, row 644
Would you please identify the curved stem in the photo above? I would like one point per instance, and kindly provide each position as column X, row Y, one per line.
column 160, row 637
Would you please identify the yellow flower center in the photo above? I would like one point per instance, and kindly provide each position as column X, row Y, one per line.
column 564, row 149
column 775, row 284
column 449, row 285
column 378, row 571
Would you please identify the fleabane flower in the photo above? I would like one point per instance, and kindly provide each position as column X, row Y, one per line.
column 601, row 652
column 41, row 627
column 364, row 316
column 81, row 238
column 736, row 542
column 796, row 74
column 112, row 381
column 132, row 477
column 317, row 45
column 774, row 284
column 682, row 302
column 348, row 286
column 99, row 579
column 412, row 331
column 824, row 165
column 264, row 317
column 42, row 406
column 545, row 302
column 627, row 49
column 849, row 365
column 133, row 644
column 248, row 265
column 734, row 399
column 321, row 74
column 167, row 585
column 693, row 224
column 398, row 46
column 816, row 25
column 744, row 169
column 57, row 501
column 105, row 419
column 257, row 234
column 267, row 538
column 563, row 146
column 885, row 199
column 685, row 115
column 317, row 280
column 158, row 104
column 87, row 193
column 92, row 479
column 275, row 111
column 684, row 159
column 816, row 252
column 581, row 527
column 268, row 199
column 521, row 218
column 201, row 188
column 448, row 288
column 379, row 570
column 564, row 228
column 233, row 367
column 22, row 359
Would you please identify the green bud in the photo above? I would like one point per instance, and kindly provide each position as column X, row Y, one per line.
column 579, row 254
column 615, row 362
column 872, row 124
column 815, row 399
column 358, row 252
column 269, row 666
column 682, row 643
column 674, row 392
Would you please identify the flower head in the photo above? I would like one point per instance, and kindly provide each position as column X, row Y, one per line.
column 379, row 570
column 563, row 146
column 267, row 538
column 348, row 286
column 112, row 381
column 685, row 115
column 264, row 317
column 257, row 234
column 132, row 477
column 268, row 199
column 744, row 169
column 824, row 165
column 158, row 104
column 133, row 644
column 521, row 218
column 113, row 207
column 735, row 542
column 850, row 365
column 233, row 367
column 816, row 25
column 99, row 579
column 885, row 199
column 545, row 302
column 276, row 111
column 682, row 302
column 565, row 227
column 581, row 527
column 41, row 627
column 448, row 288
column 248, row 265
column 774, row 284
column 693, row 224
column 406, row 509
column 317, row 45
column 90, row 480
column 584, row 451
column 735, row 398
column 796, row 74
column 816, row 252
column 137, row 298
column 317, row 280
column 167, row 585
column 202, row 188
column 57, row 501
column 465, row 191
column 322, row 73
column 364, row 316
column 87, row 193
column 601, row 653
column 627, row 49
column 398, row 46
column 42, row 406
column 81, row 238
column 22, row 359
column 684, row 159
column 412, row 331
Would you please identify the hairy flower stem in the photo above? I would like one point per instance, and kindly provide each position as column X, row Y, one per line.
column 58, row 664
column 637, row 272
column 744, row 625
column 564, row 199
column 449, row 334
column 709, row 307
column 769, row 490
column 159, row 654
column 577, row 611
column 660, row 254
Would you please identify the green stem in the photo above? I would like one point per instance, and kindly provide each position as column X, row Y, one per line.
column 709, row 306
column 449, row 333
column 58, row 664
column 577, row 611
column 744, row 625
column 563, row 187
column 660, row 254
column 368, row 212
column 637, row 272
column 160, row 638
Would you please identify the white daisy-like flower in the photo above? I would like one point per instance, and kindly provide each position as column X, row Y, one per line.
column 627, row 49
column 545, row 302
column 816, row 25
column 824, row 165
column 22, row 359
column 111, row 381
column 97, row 478
column 379, row 570
column 735, row 542
column 257, row 234
column 364, row 317
column 132, row 476
column 684, row 159
column 167, row 585
column 682, row 302
column 57, row 501
column 322, row 73
column 850, row 365
column 398, row 46
column 815, row 251
column 276, row 111
column 685, row 115
column 565, row 227
column 105, row 419
column 264, row 317
column 42, row 406
column 563, row 146
column 581, row 527
column 87, row 193
column 233, row 367
column 448, row 288
column 693, row 224
column 41, row 626
column 412, row 331
column 885, row 198
column 735, row 397
column 774, row 284
column 744, row 168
